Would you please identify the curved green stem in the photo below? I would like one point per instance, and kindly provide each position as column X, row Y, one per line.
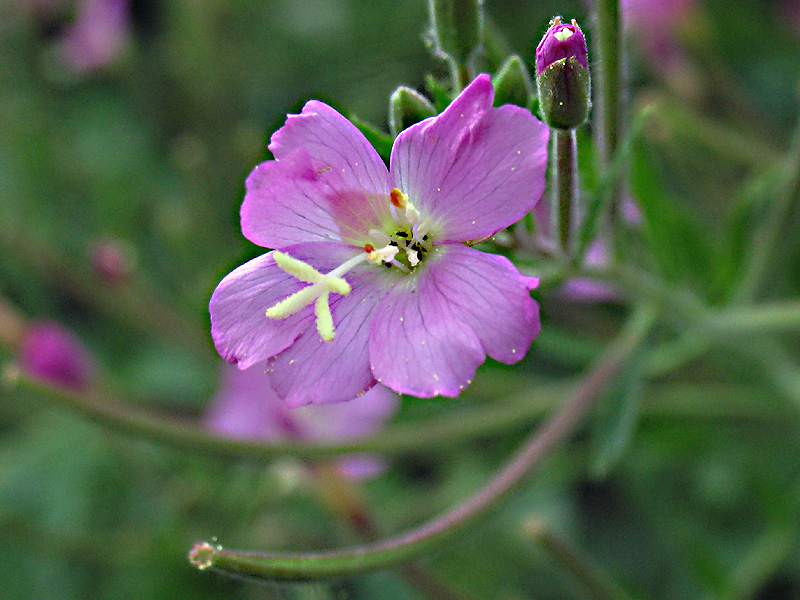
column 539, row 445
column 344, row 497
column 776, row 316
column 514, row 411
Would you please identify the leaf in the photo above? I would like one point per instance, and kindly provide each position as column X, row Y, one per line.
column 382, row 142
column 674, row 239
column 617, row 420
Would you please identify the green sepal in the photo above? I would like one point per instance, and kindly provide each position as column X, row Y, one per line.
column 407, row 107
column 512, row 83
column 564, row 94
column 438, row 92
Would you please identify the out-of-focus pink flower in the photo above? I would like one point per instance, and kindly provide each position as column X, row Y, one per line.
column 654, row 24
column 98, row 35
column 246, row 406
column 655, row 16
column 51, row 352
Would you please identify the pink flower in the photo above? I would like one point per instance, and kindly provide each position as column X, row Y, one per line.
column 246, row 406
column 375, row 257
column 655, row 25
column 51, row 352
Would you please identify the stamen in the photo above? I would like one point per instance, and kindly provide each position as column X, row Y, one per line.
column 385, row 254
column 412, row 214
column 401, row 266
column 404, row 211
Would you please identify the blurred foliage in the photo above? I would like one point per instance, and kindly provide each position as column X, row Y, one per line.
column 689, row 495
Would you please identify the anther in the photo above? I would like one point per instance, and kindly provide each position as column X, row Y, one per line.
column 398, row 198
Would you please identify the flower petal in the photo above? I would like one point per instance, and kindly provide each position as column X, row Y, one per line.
column 418, row 345
column 473, row 169
column 434, row 330
column 242, row 332
column 486, row 293
column 286, row 203
column 290, row 201
column 328, row 183
column 313, row 371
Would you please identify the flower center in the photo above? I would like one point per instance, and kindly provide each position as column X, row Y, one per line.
column 406, row 242
column 402, row 249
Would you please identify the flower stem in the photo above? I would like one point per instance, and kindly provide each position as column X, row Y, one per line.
column 594, row 580
column 527, row 405
column 187, row 435
column 607, row 83
column 555, row 432
column 566, row 187
column 777, row 316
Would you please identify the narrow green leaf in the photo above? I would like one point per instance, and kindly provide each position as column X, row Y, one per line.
column 616, row 422
column 674, row 239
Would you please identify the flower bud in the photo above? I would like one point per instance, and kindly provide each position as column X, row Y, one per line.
column 457, row 27
column 406, row 107
column 53, row 353
column 512, row 83
column 112, row 260
column 562, row 76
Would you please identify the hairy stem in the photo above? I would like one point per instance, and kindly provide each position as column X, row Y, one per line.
column 607, row 82
column 565, row 188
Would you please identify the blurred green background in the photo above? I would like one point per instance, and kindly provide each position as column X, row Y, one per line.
column 697, row 495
